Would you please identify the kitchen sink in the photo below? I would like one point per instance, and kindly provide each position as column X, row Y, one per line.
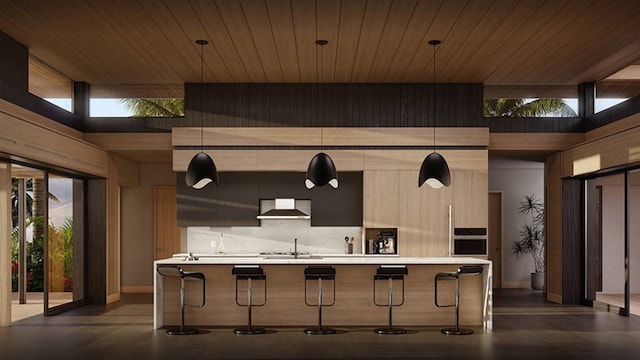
column 291, row 256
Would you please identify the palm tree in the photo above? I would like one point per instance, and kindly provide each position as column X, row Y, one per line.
column 520, row 108
column 155, row 107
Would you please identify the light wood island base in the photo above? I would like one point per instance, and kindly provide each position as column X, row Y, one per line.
column 354, row 293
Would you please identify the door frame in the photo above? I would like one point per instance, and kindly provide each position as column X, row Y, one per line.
column 498, row 276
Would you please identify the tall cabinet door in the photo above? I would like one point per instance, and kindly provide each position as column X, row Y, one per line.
column 166, row 233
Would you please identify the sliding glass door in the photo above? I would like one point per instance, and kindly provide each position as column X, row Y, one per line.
column 633, row 238
column 47, row 244
column 64, row 246
column 613, row 242
column 27, row 236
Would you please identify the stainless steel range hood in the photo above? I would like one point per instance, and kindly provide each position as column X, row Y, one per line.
column 285, row 209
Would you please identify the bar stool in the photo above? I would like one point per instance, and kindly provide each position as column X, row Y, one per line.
column 174, row 270
column 320, row 272
column 462, row 271
column 390, row 273
column 249, row 273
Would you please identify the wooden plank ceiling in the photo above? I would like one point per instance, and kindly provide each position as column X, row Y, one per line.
column 120, row 46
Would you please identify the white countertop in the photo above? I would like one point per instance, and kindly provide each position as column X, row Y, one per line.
column 334, row 259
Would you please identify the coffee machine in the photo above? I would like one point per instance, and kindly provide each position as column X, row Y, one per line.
column 381, row 241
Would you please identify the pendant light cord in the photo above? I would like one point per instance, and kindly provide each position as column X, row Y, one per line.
column 202, row 43
column 434, row 94
column 321, row 43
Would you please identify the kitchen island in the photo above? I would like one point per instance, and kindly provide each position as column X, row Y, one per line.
column 354, row 292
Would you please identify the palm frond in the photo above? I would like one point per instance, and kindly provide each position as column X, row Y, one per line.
column 155, row 107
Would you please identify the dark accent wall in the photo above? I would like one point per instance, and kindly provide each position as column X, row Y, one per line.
column 614, row 113
column 573, row 249
column 81, row 100
column 96, row 242
column 14, row 62
column 236, row 201
column 332, row 104
column 14, row 84
column 586, row 99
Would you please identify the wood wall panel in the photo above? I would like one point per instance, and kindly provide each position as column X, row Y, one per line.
column 614, row 150
column 236, row 136
column 534, row 142
column 327, row 136
column 30, row 139
column 5, row 244
column 345, row 160
column 166, row 233
column 130, row 141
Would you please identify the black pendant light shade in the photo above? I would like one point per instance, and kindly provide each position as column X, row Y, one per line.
column 201, row 171
column 321, row 172
column 434, row 171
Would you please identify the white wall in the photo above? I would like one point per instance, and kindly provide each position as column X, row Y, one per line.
column 515, row 178
column 613, row 238
column 136, row 224
column 634, row 234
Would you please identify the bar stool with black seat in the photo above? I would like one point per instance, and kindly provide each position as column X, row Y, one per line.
column 320, row 273
column 250, row 273
column 390, row 273
column 177, row 271
column 462, row 271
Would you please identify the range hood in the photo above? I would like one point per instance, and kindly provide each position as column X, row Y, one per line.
column 285, row 209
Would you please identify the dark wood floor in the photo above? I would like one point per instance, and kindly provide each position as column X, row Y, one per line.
column 525, row 327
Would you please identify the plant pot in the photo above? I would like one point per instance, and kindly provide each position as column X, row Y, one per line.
column 537, row 280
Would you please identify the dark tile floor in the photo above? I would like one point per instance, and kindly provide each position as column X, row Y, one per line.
column 525, row 327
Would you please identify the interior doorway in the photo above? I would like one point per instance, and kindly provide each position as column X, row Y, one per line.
column 495, row 232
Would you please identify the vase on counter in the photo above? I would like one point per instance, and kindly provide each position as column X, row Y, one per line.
column 221, row 249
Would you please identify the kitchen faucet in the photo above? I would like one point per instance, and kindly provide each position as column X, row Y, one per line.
column 295, row 248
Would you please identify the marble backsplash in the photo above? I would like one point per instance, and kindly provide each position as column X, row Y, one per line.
column 272, row 236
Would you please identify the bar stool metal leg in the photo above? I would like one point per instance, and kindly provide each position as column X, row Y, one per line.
column 177, row 271
column 390, row 330
column 457, row 330
column 249, row 330
column 319, row 330
column 182, row 330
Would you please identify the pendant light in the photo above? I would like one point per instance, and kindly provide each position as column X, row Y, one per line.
column 201, row 170
column 434, row 170
column 321, row 169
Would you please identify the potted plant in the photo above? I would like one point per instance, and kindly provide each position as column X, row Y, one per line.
column 532, row 238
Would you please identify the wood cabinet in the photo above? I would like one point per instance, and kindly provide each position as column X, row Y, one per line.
column 166, row 234
column 471, row 199
column 393, row 199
